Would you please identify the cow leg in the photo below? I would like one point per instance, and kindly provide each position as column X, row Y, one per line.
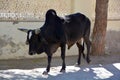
column 80, row 52
column 88, row 43
column 49, row 64
column 63, row 47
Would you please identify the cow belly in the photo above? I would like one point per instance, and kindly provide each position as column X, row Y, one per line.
column 70, row 43
column 54, row 48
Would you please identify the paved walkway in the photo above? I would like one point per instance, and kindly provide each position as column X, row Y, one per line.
column 91, row 72
column 104, row 68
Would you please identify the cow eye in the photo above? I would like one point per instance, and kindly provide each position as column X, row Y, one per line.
column 39, row 39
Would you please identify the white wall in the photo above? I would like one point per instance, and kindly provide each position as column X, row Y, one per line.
column 12, row 41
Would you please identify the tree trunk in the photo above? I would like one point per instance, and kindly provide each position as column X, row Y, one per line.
column 99, row 31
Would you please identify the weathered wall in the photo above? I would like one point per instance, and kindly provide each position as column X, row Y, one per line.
column 27, row 10
column 12, row 41
column 113, row 37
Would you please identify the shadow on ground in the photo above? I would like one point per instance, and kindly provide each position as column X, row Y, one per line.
column 105, row 67
column 91, row 72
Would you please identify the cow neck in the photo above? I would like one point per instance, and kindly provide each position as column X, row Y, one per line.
column 42, row 36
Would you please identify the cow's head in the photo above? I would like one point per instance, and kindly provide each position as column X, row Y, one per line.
column 34, row 40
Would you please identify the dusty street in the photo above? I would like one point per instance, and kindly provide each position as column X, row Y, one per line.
column 56, row 61
column 105, row 67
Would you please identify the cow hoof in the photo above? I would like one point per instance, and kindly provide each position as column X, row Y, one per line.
column 88, row 61
column 45, row 73
column 77, row 65
column 62, row 70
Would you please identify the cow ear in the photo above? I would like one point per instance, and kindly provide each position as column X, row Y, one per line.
column 23, row 30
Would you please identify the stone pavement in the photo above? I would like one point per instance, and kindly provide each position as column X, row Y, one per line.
column 104, row 68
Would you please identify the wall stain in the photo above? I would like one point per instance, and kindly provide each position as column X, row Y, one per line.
column 10, row 49
column 113, row 42
column 7, row 45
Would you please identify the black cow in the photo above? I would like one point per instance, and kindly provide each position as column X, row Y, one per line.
column 57, row 32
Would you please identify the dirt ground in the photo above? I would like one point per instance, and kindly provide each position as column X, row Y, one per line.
column 56, row 61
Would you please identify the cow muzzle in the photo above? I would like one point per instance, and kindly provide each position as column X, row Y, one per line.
column 32, row 52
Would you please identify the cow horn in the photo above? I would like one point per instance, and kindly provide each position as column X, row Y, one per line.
column 37, row 31
column 24, row 30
